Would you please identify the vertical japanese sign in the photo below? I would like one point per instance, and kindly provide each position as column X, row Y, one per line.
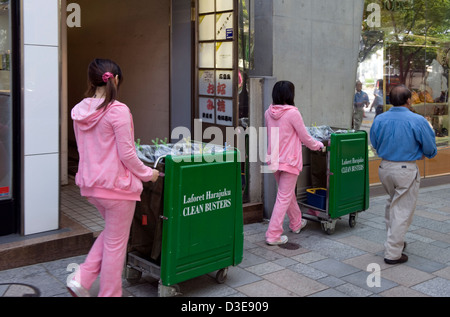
column 216, row 61
column 206, row 109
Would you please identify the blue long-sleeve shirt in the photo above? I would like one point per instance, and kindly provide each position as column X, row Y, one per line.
column 400, row 135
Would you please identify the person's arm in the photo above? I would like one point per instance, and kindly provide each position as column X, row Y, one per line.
column 296, row 120
column 427, row 139
column 366, row 99
column 373, row 135
column 122, row 123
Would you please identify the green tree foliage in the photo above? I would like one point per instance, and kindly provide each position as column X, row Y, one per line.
column 413, row 32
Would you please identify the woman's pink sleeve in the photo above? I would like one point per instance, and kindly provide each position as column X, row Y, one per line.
column 122, row 122
column 303, row 134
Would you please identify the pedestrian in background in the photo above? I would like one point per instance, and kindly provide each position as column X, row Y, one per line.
column 109, row 174
column 360, row 100
column 378, row 101
column 286, row 134
column 400, row 138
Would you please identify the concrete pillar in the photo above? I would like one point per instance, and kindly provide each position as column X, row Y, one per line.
column 41, row 107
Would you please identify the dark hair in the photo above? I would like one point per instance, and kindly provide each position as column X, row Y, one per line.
column 399, row 95
column 283, row 93
column 380, row 83
column 97, row 68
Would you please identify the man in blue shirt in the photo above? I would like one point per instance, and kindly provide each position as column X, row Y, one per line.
column 360, row 100
column 400, row 137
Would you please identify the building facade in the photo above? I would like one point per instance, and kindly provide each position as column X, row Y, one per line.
column 183, row 61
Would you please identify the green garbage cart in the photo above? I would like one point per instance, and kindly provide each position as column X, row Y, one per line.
column 343, row 188
column 201, row 221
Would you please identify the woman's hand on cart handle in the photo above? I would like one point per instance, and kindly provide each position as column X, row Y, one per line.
column 155, row 175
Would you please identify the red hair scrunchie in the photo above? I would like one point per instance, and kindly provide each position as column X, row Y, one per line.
column 106, row 76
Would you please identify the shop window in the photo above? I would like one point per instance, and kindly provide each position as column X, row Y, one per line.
column 5, row 104
column 245, row 61
column 408, row 42
column 217, row 62
column 224, row 57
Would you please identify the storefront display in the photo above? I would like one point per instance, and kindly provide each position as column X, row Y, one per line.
column 412, row 38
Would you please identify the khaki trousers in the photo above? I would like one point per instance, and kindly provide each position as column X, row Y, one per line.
column 401, row 180
column 358, row 117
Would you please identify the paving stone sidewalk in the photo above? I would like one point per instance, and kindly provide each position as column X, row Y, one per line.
column 312, row 264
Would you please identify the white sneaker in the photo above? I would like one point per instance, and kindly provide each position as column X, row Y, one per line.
column 304, row 222
column 76, row 289
column 283, row 240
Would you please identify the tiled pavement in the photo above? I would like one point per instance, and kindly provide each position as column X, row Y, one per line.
column 313, row 264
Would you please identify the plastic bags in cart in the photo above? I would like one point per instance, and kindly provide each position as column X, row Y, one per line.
column 320, row 133
column 151, row 153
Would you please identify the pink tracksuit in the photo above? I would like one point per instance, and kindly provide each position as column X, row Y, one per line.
column 285, row 159
column 110, row 174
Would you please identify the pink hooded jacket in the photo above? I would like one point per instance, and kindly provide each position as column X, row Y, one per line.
column 285, row 150
column 109, row 167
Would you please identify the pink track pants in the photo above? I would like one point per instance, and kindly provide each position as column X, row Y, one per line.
column 107, row 255
column 286, row 203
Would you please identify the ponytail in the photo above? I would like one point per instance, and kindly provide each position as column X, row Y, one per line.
column 103, row 72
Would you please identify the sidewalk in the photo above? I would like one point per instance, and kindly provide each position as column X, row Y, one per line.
column 312, row 264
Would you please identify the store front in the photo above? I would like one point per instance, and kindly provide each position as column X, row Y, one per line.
column 136, row 35
column 407, row 42
column 9, row 119
column 183, row 61
column 190, row 67
column 156, row 45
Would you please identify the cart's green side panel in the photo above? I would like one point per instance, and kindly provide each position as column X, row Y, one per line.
column 349, row 174
column 203, row 231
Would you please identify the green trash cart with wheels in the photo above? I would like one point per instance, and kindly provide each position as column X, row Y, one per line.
column 201, row 221
column 344, row 187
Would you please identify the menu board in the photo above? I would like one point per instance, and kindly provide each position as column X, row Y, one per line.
column 224, row 112
column 206, row 27
column 206, row 55
column 224, row 80
column 205, row 6
column 206, row 109
column 206, row 83
column 224, row 26
column 224, row 55
column 216, row 73
column 224, row 5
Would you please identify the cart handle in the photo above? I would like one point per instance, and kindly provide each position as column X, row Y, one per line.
column 157, row 161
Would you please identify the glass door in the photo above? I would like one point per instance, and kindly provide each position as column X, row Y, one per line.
column 10, row 137
column 5, row 104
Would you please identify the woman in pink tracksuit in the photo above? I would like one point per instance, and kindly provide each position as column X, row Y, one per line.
column 109, row 174
column 286, row 134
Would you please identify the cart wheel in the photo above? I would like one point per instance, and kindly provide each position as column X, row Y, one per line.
column 328, row 227
column 132, row 275
column 352, row 220
column 221, row 275
column 168, row 291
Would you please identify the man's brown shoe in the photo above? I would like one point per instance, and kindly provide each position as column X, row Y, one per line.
column 402, row 259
